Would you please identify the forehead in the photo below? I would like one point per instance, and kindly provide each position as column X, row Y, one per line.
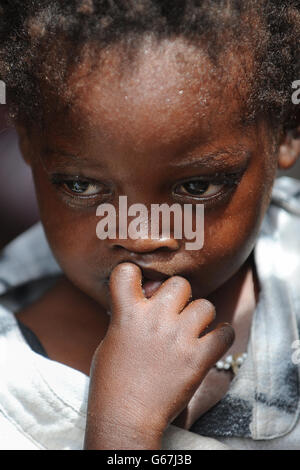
column 165, row 92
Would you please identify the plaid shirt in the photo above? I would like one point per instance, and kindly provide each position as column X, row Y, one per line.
column 43, row 403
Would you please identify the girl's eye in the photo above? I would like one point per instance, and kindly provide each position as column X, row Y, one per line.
column 207, row 189
column 83, row 188
column 79, row 189
column 200, row 188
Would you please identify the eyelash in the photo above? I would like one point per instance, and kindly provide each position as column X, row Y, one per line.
column 61, row 181
column 227, row 182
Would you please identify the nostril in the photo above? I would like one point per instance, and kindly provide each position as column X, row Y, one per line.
column 164, row 248
column 146, row 245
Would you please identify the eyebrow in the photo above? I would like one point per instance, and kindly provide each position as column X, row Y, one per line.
column 59, row 152
column 226, row 156
column 67, row 157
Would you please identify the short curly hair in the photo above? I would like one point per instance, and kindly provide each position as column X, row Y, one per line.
column 32, row 33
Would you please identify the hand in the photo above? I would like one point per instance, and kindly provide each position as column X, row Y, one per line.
column 151, row 361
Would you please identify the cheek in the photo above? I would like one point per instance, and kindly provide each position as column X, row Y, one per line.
column 231, row 232
column 71, row 234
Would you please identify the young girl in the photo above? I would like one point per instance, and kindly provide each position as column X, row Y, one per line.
column 139, row 343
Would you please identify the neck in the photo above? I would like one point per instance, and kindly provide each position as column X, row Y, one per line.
column 235, row 303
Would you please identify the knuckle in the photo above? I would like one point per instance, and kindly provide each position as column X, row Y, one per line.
column 226, row 334
column 202, row 309
column 206, row 304
column 205, row 307
column 123, row 269
column 195, row 314
column 181, row 283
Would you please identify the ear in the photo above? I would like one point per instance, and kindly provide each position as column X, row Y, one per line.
column 24, row 143
column 289, row 149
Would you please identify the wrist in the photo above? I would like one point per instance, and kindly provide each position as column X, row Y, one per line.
column 104, row 434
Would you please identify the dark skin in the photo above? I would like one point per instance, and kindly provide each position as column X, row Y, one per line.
column 145, row 132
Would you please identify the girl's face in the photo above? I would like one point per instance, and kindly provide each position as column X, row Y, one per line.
column 167, row 129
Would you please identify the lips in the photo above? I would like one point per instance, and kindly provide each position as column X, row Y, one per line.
column 151, row 281
column 153, row 275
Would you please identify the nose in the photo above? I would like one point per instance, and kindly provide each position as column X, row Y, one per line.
column 144, row 233
column 146, row 245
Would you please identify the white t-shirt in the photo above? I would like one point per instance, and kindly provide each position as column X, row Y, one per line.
column 43, row 403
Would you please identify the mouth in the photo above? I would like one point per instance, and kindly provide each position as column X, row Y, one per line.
column 151, row 281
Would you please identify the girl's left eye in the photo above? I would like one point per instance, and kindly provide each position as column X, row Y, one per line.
column 199, row 188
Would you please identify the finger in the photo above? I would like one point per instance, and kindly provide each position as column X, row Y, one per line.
column 125, row 286
column 212, row 346
column 173, row 294
column 197, row 316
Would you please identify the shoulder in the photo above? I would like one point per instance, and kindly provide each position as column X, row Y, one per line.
column 27, row 258
column 27, row 269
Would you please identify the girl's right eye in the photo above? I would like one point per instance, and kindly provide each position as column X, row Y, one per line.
column 84, row 188
column 80, row 189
